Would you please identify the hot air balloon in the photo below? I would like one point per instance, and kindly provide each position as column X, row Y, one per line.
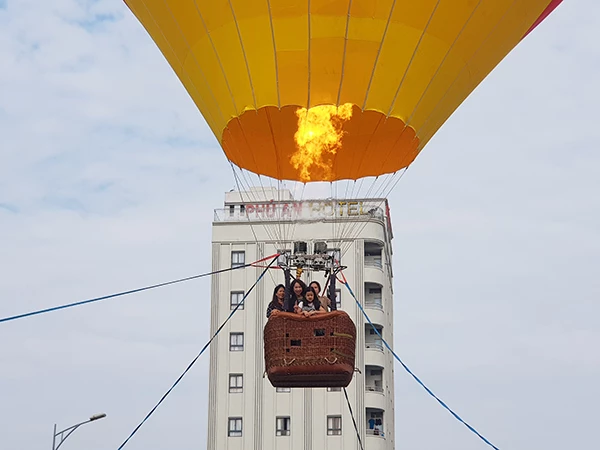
column 323, row 90
column 329, row 90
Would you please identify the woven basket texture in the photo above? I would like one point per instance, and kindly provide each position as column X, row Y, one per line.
column 315, row 351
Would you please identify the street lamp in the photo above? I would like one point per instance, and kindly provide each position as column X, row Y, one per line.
column 70, row 430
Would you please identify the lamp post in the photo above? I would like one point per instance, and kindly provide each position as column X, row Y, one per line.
column 70, row 430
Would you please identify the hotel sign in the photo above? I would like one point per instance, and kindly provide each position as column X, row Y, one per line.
column 318, row 209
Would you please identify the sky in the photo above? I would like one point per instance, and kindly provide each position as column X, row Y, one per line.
column 108, row 181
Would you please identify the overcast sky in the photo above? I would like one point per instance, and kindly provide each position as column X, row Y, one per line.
column 105, row 171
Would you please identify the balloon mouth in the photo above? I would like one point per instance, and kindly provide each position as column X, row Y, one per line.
column 319, row 135
column 322, row 143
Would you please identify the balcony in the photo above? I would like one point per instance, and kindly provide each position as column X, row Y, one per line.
column 373, row 255
column 374, row 389
column 375, row 303
column 373, row 296
column 375, row 432
column 375, row 422
column 374, row 379
column 371, row 261
column 372, row 340
column 374, row 345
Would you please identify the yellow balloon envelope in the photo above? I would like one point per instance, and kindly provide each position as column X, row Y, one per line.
column 322, row 90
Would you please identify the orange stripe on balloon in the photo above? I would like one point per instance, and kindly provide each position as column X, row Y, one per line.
column 263, row 142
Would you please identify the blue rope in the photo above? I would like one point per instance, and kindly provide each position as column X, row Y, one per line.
column 241, row 303
column 118, row 294
column 440, row 401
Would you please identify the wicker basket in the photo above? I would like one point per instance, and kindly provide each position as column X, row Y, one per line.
column 315, row 351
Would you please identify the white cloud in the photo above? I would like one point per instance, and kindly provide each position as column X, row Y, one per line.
column 108, row 179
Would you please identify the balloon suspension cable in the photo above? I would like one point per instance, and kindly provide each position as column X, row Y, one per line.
column 332, row 299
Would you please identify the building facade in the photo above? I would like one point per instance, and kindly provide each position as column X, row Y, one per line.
column 245, row 410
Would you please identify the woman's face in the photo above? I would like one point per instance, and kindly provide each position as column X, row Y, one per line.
column 297, row 289
column 280, row 293
column 310, row 297
column 315, row 287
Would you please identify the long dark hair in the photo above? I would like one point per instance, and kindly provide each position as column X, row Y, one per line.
column 301, row 283
column 316, row 300
column 275, row 300
column 317, row 283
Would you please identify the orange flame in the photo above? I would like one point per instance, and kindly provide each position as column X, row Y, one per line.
column 319, row 136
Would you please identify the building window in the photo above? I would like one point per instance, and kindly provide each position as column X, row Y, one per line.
column 238, row 258
column 372, row 332
column 236, row 342
column 235, row 427
column 235, row 299
column 338, row 298
column 375, row 422
column 375, row 293
column 231, row 210
column 373, row 252
column 242, row 209
column 336, row 254
column 282, row 426
column 373, row 296
column 283, row 389
column 334, row 425
column 374, row 379
column 334, row 389
column 372, row 339
column 236, row 383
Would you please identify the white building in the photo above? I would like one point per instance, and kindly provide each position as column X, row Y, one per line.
column 245, row 410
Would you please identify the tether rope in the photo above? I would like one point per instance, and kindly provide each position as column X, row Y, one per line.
column 132, row 291
column 440, row 401
column 353, row 420
column 197, row 356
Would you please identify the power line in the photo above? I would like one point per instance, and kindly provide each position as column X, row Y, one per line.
column 198, row 355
